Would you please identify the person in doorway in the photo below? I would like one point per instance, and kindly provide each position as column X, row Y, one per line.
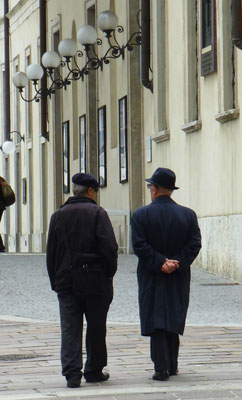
column 2, row 208
column 166, row 239
column 81, row 262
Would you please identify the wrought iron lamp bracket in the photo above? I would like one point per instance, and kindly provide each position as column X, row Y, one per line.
column 21, row 136
column 92, row 62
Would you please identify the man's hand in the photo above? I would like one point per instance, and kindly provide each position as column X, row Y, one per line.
column 169, row 266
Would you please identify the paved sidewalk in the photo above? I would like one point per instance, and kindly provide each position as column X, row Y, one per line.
column 210, row 365
column 25, row 292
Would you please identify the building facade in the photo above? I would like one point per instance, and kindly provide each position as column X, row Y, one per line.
column 172, row 102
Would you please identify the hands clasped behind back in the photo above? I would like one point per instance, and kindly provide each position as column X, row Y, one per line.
column 169, row 266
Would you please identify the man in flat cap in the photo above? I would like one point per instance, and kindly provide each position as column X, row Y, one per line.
column 166, row 239
column 81, row 262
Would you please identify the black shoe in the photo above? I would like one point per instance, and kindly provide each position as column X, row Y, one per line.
column 2, row 251
column 97, row 377
column 161, row 375
column 173, row 371
column 73, row 381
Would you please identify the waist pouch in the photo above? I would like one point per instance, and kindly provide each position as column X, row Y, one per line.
column 88, row 279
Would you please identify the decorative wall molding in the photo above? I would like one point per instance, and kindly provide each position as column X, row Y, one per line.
column 192, row 126
column 161, row 136
column 228, row 115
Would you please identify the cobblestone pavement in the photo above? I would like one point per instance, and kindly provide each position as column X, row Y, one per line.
column 210, row 362
column 210, row 365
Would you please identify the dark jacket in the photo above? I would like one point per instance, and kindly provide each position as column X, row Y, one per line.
column 161, row 230
column 88, row 231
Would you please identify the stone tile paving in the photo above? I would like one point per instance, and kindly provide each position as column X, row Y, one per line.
column 210, row 365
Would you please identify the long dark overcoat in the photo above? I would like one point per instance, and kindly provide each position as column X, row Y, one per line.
column 160, row 230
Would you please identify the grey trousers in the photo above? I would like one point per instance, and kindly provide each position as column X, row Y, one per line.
column 164, row 349
column 72, row 310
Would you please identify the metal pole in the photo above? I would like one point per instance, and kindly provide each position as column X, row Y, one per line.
column 43, row 103
column 6, row 73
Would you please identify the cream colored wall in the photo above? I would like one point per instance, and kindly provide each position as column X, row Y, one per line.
column 115, row 195
column 207, row 162
column 206, row 152
column 1, row 9
column 20, row 21
column 24, row 17
column 54, row 10
column 104, row 93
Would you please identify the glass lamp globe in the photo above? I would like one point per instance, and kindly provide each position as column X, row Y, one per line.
column 8, row 147
column 20, row 80
column 87, row 35
column 67, row 48
column 34, row 72
column 50, row 59
column 107, row 21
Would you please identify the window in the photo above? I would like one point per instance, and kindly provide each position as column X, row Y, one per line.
column 92, row 101
column 66, row 157
column 208, row 37
column 161, row 51
column 82, row 141
column 75, row 100
column 228, row 93
column 123, row 159
column 228, row 64
column 102, row 163
column 207, row 24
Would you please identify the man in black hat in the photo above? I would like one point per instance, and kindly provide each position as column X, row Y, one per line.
column 166, row 239
column 81, row 262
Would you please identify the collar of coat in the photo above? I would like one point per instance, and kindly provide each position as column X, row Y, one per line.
column 163, row 199
column 78, row 199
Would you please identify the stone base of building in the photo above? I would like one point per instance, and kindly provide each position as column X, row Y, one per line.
column 25, row 244
column 221, row 251
column 39, row 243
column 34, row 243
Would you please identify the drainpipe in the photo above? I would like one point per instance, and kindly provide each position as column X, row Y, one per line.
column 6, row 74
column 145, row 46
column 43, row 102
column 236, row 24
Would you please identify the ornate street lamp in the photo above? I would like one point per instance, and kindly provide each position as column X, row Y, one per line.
column 69, row 55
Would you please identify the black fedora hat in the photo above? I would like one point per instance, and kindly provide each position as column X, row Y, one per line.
column 163, row 177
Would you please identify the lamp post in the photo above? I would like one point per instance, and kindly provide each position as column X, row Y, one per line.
column 8, row 146
column 68, row 56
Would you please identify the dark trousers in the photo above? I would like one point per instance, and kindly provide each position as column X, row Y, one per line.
column 164, row 349
column 2, row 247
column 72, row 310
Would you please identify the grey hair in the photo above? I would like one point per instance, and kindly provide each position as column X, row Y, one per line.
column 79, row 189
